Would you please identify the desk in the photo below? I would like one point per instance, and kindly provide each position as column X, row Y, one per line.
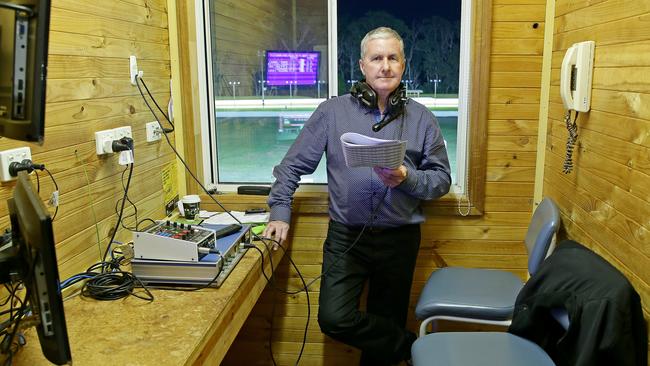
column 177, row 328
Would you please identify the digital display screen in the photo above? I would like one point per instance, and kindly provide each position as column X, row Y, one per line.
column 292, row 67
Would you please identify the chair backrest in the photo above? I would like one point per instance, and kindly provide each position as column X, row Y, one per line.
column 541, row 230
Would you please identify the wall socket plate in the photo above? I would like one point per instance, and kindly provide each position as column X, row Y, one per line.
column 154, row 132
column 122, row 132
column 10, row 156
column 102, row 137
column 133, row 70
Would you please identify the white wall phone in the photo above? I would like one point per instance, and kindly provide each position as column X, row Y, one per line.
column 575, row 90
column 575, row 78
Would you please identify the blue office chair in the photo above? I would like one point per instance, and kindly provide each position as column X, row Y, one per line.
column 486, row 296
column 482, row 348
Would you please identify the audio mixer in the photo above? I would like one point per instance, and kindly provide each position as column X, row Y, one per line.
column 169, row 240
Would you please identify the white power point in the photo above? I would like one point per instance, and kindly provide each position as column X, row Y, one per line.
column 133, row 70
column 154, row 132
column 101, row 139
column 10, row 156
column 123, row 132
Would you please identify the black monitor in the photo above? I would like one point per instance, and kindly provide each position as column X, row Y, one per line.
column 24, row 27
column 35, row 264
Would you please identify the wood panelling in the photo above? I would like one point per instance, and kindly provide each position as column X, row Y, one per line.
column 604, row 201
column 492, row 240
column 88, row 90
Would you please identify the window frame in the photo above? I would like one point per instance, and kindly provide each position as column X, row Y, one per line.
column 466, row 198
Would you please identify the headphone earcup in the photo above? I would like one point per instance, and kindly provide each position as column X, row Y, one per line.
column 364, row 93
column 397, row 99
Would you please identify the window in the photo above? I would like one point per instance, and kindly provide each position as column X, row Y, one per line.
column 270, row 63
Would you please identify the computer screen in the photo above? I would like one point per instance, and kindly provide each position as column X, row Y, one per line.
column 292, row 67
column 24, row 27
column 32, row 235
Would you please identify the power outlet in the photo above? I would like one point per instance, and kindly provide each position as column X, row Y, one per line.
column 154, row 132
column 10, row 156
column 133, row 70
column 123, row 132
column 101, row 139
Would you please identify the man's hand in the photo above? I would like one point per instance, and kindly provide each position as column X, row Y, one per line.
column 277, row 230
column 391, row 177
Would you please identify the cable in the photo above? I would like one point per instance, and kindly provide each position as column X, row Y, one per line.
column 29, row 166
column 572, row 128
column 165, row 130
column 135, row 209
column 106, row 281
column 38, row 182
column 119, row 218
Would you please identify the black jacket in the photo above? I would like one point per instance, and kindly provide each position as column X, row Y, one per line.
column 606, row 320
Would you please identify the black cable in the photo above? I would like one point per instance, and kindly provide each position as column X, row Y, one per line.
column 19, row 316
column 106, row 281
column 119, row 219
column 135, row 209
column 38, row 182
column 137, row 225
column 114, row 285
column 165, row 130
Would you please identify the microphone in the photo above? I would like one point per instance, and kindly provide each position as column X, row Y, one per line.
column 381, row 124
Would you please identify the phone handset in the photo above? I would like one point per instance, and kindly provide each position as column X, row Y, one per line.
column 575, row 90
column 567, row 77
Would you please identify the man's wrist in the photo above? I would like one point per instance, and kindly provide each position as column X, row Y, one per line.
column 280, row 213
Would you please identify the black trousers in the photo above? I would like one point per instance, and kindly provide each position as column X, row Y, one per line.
column 384, row 258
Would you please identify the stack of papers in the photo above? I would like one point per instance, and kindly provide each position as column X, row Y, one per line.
column 223, row 218
column 360, row 150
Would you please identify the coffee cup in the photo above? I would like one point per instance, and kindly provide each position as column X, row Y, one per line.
column 191, row 206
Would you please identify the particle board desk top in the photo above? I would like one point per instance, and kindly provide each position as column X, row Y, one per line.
column 177, row 328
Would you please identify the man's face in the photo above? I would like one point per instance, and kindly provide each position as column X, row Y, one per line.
column 382, row 65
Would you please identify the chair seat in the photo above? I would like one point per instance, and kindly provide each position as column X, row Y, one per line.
column 469, row 292
column 477, row 349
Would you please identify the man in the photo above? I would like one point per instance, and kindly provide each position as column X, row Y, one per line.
column 375, row 214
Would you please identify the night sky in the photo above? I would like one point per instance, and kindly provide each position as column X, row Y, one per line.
column 406, row 10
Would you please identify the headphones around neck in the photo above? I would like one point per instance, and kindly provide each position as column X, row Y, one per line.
column 368, row 97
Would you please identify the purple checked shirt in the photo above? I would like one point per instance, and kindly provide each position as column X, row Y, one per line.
column 355, row 193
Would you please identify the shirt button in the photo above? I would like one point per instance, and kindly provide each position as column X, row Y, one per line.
column 376, row 217
column 374, row 193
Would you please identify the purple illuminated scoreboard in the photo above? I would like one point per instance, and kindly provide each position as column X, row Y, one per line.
column 295, row 67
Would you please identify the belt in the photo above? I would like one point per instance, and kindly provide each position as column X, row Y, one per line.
column 376, row 230
column 368, row 229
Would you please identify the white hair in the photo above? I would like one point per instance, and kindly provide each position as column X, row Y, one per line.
column 382, row 33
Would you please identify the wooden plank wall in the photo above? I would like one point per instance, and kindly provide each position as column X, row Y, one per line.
column 494, row 240
column 605, row 201
column 88, row 90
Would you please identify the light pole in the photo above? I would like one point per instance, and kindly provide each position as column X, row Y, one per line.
column 262, row 82
column 407, row 82
column 435, row 87
column 234, row 85
column 318, row 83
column 290, row 83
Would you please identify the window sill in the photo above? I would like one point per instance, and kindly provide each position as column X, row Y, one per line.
column 317, row 203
